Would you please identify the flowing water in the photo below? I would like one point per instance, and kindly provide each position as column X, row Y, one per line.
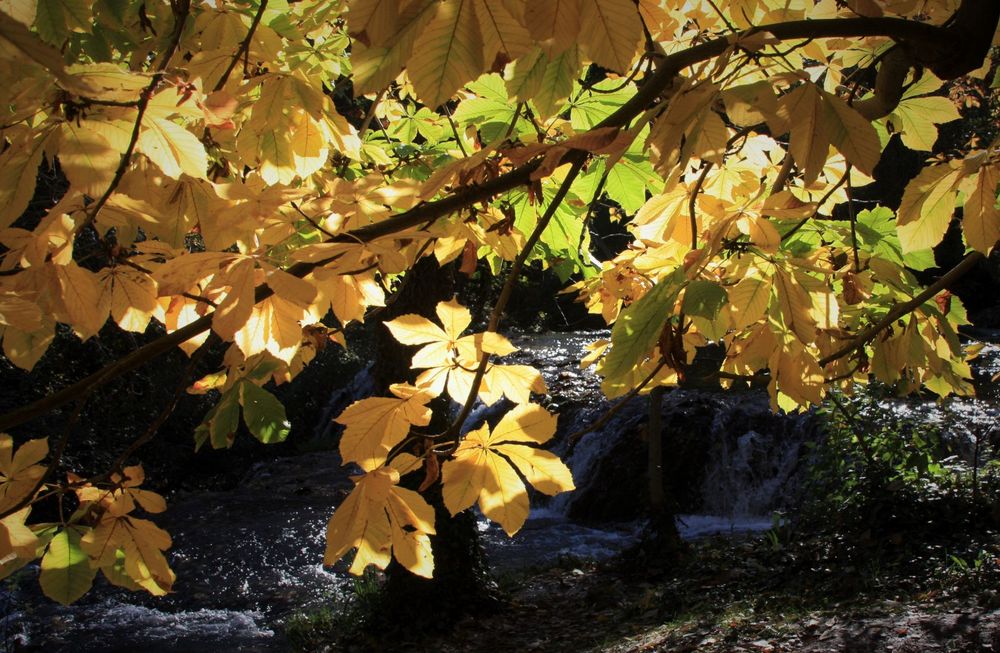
column 248, row 558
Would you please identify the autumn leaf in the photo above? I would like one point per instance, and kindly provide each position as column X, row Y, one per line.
column 981, row 218
column 375, row 425
column 380, row 519
column 18, row 543
column 19, row 471
column 486, row 465
column 447, row 54
column 448, row 357
column 130, row 297
column 174, row 149
column 614, row 32
column 927, row 206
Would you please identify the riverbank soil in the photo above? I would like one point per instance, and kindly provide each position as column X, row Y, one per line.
column 756, row 595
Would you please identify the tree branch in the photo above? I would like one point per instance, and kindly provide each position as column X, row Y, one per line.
column 900, row 310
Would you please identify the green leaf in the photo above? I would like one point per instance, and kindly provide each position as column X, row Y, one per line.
column 220, row 424
column 55, row 19
column 638, row 327
column 491, row 112
column 66, row 572
column 592, row 106
column 704, row 299
column 263, row 414
column 629, row 180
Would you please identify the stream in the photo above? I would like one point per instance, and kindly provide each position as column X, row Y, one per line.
column 249, row 558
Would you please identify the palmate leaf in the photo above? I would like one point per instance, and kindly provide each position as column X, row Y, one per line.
column 448, row 358
column 380, row 519
column 486, row 464
column 20, row 471
column 376, row 424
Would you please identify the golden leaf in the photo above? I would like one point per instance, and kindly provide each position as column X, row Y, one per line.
column 375, row 425
column 174, row 149
column 485, row 467
column 379, row 518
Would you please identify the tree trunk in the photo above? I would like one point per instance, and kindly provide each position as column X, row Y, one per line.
column 662, row 535
column 461, row 581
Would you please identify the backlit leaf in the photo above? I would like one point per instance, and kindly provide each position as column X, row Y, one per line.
column 485, row 467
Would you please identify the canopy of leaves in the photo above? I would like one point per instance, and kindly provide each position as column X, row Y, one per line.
column 234, row 187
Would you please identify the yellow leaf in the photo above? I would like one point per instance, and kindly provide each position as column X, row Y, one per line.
column 130, row 296
column 749, row 299
column 851, row 134
column 87, row 158
column 375, row 425
column 109, row 81
column 485, row 467
column 927, row 207
column 16, row 539
column 516, row 382
column 24, row 348
column 374, row 518
column 558, row 20
column 349, row 296
column 80, row 297
column 447, row 54
column 17, row 34
column 19, row 472
column 309, row 145
column 803, row 110
column 796, row 306
column 377, row 65
column 450, row 358
column 20, row 313
column 233, row 312
column 275, row 327
column 981, row 218
column 614, row 33
column 179, row 274
column 174, row 149
column 504, row 38
column 373, row 22
column 18, row 172
column 556, row 81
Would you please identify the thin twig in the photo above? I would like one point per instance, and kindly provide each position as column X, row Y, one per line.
column 53, row 462
column 508, row 288
column 244, row 49
column 181, row 11
column 574, row 437
column 900, row 310
column 705, row 169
